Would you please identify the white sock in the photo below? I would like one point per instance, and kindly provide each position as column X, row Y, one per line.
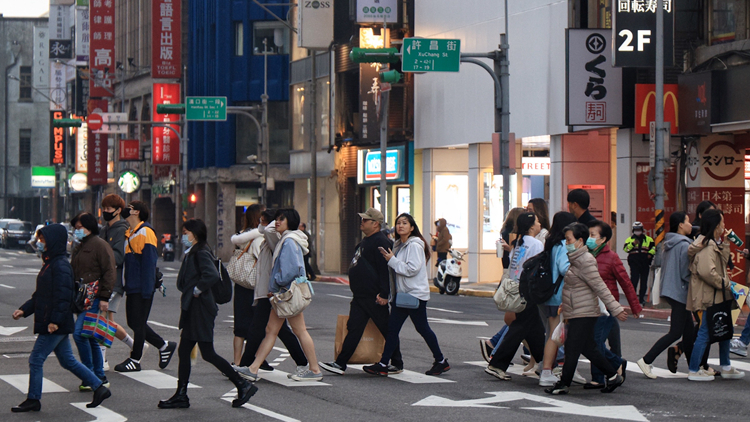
column 546, row 372
column 163, row 348
column 104, row 353
column 128, row 340
column 726, row 368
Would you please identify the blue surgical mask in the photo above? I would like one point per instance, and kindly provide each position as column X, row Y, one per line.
column 79, row 234
column 571, row 247
column 185, row 241
column 40, row 246
column 591, row 243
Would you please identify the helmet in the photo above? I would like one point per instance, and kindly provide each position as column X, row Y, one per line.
column 637, row 226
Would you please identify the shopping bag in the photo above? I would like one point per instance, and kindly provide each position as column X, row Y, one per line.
column 560, row 333
column 370, row 347
column 89, row 324
column 98, row 327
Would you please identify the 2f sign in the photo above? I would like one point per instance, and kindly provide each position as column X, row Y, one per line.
column 643, row 35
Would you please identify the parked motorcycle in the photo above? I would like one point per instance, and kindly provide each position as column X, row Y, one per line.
column 167, row 251
column 448, row 278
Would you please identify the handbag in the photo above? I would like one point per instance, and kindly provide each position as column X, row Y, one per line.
column 406, row 301
column 85, row 294
column 719, row 319
column 294, row 300
column 97, row 326
column 241, row 268
column 508, row 298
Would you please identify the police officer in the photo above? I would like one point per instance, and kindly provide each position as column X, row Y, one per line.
column 640, row 249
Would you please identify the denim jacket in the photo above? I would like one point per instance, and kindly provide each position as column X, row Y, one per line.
column 290, row 262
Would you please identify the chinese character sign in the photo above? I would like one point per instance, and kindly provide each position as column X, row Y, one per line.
column 644, row 199
column 165, row 147
column 83, row 34
column 98, row 147
column 634, row 33
column 130, row 150
column 101, row 47
column 166, row 41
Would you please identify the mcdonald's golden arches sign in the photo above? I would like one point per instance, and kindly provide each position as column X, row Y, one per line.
column 645, row 107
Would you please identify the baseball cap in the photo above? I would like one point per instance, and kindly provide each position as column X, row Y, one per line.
column 373, row 214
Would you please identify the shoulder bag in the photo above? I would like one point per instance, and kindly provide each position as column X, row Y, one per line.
column 406, row 301
column 241, row 268
column 719, row 319
column 84, row 295
column 294, row 300
column 508, row 297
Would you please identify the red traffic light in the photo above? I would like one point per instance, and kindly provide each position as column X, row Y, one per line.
column 193, row 198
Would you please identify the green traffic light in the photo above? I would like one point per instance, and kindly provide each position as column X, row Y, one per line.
column 374, row 55
column 390, row 76
column 66, row 123
column 170, row 108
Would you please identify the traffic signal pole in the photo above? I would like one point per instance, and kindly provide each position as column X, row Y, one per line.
column 659, row 123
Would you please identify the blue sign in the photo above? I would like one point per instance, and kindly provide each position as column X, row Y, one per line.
column 392, row 165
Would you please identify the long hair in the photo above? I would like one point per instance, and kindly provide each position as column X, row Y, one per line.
column 675, row 220
column 251, row 219
column 710, row 220
column 416, row 233
column 700, row 209
column 198, row 229
column 524, row 223
column 557, row 232
column 509, row 225
column 541, row 211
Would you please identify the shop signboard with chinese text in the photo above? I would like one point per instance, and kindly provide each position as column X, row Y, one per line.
column 102, row 47
column 645, row 107
column 644, row 200
column 696, row 104
column 130, row 150
column 377, row 11
column 166, row 33
column 83, row 35
column 98, row 148
column 60, row 44
column 634, row 33
column 57, row 88
column 431, row 55
column 369, row 98
column 165, row 143
column 57, row 140
column 594, row 87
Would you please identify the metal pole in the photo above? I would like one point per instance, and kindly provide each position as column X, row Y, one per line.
column 384, row 105
column 501, row 68
column 313, row 168
column 659, row 168
column 264, row 144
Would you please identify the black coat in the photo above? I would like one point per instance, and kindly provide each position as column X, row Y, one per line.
column 52, row 300
column 198, row 313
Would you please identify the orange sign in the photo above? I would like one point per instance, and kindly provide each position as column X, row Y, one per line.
column 645, row 107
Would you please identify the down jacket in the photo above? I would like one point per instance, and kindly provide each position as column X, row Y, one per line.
column 708, row 267
column 583, row 286
column 613, row 272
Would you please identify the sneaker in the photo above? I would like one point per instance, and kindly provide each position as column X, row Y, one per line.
column 105, row 366
column 128, row 366
column 548, row 380
column 646, row 369
column 85, row 388
column 558, row 389
column 711, row 371
column 166, row 355
column 376, row 369
column 298, row 370
column 612, row 384
column 738, row 348
column 701, row 375
column 245, row 373
column 266, row 367
column 732, row 374
column 393, row 370
column 673, row 358
column 333, row 367
column 578, row 378
column 486, row 350
column 308, row 375
column 497, row 373
column 439, row 367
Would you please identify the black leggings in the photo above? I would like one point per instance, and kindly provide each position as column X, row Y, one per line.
column 681, row 325
column 581, row 341
column 209, row 355
column 137, row 309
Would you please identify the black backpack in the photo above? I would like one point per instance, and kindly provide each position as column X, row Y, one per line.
column 535, row 283
column 222, row 290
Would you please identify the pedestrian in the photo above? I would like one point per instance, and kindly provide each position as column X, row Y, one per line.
column 408, row 263
column 93, row 262
column 641, row 250
column 702, row 207
column 51, row 305
column 369, row 281
column 709, row 284
column 578, row 204
column 582, row 292
column 113, row 232
column 308, row 268
column 613, row 273
column 262, row 306
column 675, row 280
column 539, row 207
column 555, row 247
column 139, row 281
column 443, row 241
column 198, row 311
column 288, row 266
column 250, row 240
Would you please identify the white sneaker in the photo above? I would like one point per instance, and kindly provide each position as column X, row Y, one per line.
column 732, row 374
column 738, row 347
column 578, row 378
column 105, row 366
column 701, row 375
column 547, row 380
column 647, row 369
column 298, row 371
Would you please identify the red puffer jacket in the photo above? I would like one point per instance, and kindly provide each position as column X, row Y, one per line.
column 612, row 272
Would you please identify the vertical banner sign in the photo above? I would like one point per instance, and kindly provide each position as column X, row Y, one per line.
column 82, row 140
column 60, row 45
column 57, row 140
column 83, row 35
column 165, row 146
column 41, row 59
column 166, row 31
column 98, row 147
column 369, row 97
column 57, row 89
column 594, row 87
column 102, row 48
column 634, row 33
column 697, row 103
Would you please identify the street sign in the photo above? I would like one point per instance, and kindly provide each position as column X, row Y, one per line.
column 430, row 55
column 95, row 122
column 206, row 108
column 109, row 125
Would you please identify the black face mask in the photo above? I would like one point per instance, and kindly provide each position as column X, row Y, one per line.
column 125, row 213
column 108, row 216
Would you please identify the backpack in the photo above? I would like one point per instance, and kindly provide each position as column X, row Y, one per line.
column 535, row 283
column 222, row 290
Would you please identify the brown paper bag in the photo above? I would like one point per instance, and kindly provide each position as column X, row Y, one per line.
column 370, row 346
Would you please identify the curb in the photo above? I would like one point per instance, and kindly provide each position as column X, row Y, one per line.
column 468, row 292
column 331, row 279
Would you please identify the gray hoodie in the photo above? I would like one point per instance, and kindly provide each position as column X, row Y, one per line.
column 675, row 271
column 265, row 259
column 409, row 268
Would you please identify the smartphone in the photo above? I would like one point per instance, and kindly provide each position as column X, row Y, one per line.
column 381, row 249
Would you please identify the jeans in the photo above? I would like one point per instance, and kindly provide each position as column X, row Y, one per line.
column 60, row 344
column 88, row 348
column 701, row 341
column 602, row 329
column 527, row 326
column 498, row 338
column 681, row 325
column 137, row 309
column 580, row 340
column 257, row 332
column 361, row 310
column 419, row 319
column 745, row 337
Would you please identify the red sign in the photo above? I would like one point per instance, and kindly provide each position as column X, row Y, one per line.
column 130, row 150
column 644, row 199
column 165, row 146
column 98, row 147
column 58, row 140
column 747, row 167
column 166, row 40
column 645, row 107
column 102, row 48
column 94, row 121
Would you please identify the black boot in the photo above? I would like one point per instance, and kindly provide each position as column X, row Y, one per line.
column 102, row 393
column 178, row 401
column 245, row 390
column 27, row 406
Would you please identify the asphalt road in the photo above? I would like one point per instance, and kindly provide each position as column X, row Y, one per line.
column 464, row 393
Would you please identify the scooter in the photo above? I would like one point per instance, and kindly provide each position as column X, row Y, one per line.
column 167, row 248
column 448, row 278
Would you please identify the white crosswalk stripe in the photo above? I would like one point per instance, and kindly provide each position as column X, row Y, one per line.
column 280, row 377
column 21, row 383
column 411, row 377
column 230, row 396
column 155, row 379
column 101, row 413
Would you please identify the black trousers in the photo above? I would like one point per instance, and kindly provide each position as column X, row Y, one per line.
column 361, row 310
column 527, row 326
column 137, row 310
column 243, row 310
column 614, row 338
column 580, row 340
column 209, row 355
column 681, row 325
column 639, row 269
column 257, row 332
column 308, row 268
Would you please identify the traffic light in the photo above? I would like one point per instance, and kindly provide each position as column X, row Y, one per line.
column 170, row 108
column 390, row 76
column 374, row 55
column 66, row 123
column 192, row 199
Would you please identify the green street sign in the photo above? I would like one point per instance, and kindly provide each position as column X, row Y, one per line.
column 430, row 55
column 206, row 108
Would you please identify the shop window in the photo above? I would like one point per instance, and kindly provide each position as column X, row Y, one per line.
column 275, row 35
column 24, row 92
column 299, row 139
column 722, row 21
column 452, row 203
column 239, row 39
column 24, row 148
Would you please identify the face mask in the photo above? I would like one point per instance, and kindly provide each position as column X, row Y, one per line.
column 125, row 212
column 591, row 243
column 79, row 234
column 40, row 245
column 108, row 216
column 571, row 247
column 638, row 233
column 186, row 242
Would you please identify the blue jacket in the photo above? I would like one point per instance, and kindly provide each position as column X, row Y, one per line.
column 559, row 268
column 289, row 265
column 52, row 300
column 140, row 261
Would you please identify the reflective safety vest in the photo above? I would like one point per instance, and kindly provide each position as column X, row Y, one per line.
column 646, row 246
